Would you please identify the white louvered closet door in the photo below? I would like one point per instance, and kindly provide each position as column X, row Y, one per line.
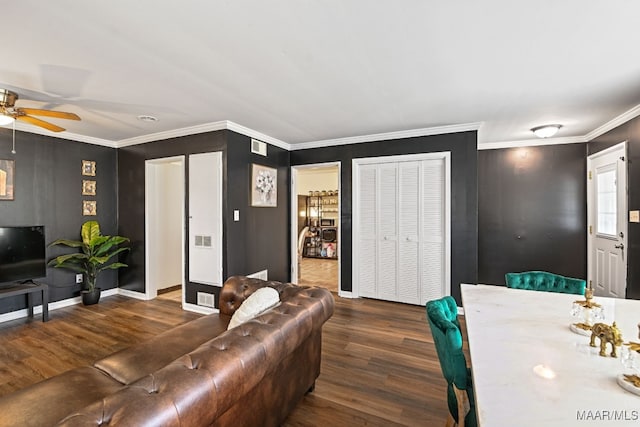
column 401, row 235
column 433, row 231
column 387, row 259
column 409, row 233
column 367, row 231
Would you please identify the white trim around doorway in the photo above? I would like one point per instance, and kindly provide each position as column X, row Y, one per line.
column 294, row 221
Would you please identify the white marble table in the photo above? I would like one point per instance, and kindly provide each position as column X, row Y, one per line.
column 511, row 331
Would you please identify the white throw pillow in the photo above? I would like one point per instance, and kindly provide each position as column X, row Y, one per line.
column 257, row 303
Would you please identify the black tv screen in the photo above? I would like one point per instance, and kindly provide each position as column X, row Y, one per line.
column 22, row 253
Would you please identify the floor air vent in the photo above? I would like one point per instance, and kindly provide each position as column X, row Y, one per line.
column 205, row 299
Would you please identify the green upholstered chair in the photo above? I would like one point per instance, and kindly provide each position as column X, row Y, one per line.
column 544, row 281
column 442, row 315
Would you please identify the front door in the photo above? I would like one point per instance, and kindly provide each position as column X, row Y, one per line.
column 607, row 186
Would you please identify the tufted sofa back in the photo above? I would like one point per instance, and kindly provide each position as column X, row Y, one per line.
column 544, row 281
column 253, row 374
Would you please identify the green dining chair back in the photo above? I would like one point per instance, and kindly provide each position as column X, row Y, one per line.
column 442, row 315
column 544, row 281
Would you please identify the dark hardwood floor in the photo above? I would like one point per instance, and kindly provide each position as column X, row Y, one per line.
column 379, row 365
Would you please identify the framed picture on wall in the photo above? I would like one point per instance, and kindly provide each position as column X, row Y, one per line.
column 89, row 208
column 88, row 168
column 7, row 176
column 88, row 187
column 264, row 186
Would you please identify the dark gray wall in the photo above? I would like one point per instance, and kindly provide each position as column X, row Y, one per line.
column 258, row 241
column 532, row 211
column 629, row 132
column 48, row 191
column 464, row 196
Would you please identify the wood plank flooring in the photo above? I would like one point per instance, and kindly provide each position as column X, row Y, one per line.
column 319, row 272
column 379, row 365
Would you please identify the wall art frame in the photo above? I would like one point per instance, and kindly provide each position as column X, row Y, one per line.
column 88, row 168
column 7, row 179
column 88, row 187
column 89, row 208
column 264, row 186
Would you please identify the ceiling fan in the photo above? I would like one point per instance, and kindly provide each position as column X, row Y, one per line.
column 7, row 109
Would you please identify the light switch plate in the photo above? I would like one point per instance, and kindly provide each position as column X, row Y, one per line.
column 236, row 215
column 634, row 216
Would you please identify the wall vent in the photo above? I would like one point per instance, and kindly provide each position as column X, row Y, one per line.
column 258, row 147
column 260, row 275
column 205, row 299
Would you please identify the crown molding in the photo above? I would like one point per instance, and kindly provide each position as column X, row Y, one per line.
column 411, row 133
column 63, row 135
column 207, row 127
column 615, row 122
column 174, row 133
column 232, row 126
column 531, row 142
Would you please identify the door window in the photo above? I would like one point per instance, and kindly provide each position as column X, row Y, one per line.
column 607, row 213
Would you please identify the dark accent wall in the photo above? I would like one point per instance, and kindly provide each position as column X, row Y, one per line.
column 532, row 211
column 629, row 132
column 258, row 241
column 464, row 195
column 48, row 191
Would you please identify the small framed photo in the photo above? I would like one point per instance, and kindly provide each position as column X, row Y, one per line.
column 88, row 168
column 88, row 187
column 264, row 186
column 89, row 208
column 7, row 175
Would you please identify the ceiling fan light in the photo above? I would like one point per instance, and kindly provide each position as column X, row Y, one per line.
column 5, row 120
column 546, row 131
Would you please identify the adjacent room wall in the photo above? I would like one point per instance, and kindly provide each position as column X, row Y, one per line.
column 464, row 194
column 532, row 211
column 48, row 191
column 629, row 132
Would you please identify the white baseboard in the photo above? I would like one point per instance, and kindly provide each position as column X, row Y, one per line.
column 132, row 294
column 460, row 311
column 199, row 309
column 345, row 294
column 37, row 310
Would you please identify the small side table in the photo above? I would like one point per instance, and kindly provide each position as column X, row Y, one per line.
column 29, row 289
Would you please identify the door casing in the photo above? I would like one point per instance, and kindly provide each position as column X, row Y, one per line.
column 620, row 151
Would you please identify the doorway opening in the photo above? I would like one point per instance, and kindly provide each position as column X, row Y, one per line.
column 608, row 222
column 315, row 225
column 164, row 225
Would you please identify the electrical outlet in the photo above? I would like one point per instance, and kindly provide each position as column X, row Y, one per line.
column 79, row 278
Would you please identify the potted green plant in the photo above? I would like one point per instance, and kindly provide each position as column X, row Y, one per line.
column 96, row 252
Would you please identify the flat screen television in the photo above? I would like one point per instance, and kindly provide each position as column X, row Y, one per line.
column 22, row 254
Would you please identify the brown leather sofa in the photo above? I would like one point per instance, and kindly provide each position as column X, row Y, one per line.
column 197, row 374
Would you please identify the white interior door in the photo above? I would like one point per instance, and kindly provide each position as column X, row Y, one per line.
column 608, row 222
column 164, row 224
column 205, row 218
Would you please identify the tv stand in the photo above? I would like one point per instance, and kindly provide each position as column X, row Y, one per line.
column 29, row 287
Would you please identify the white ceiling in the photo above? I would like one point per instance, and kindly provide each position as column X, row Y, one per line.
column 301, row 71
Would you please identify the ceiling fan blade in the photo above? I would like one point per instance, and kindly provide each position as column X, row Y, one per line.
column 49, row 113
column 41, row 123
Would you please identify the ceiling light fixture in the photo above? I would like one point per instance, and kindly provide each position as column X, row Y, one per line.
column 546, row 131
column 147, row 118
column 6, row 120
